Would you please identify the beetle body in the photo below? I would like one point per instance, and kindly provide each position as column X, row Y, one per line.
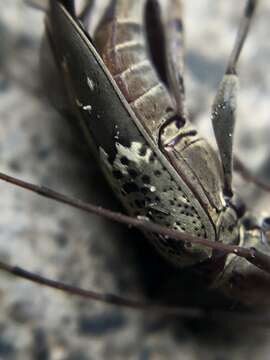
column 122, row 110
column 130, row 105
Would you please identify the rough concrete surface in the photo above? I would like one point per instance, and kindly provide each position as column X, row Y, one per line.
column 48, row 238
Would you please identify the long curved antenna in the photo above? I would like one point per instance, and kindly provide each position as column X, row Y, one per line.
column 101, row 297
column 241, row 36
column 224, row 106
column 252, row 255
column 148, row 307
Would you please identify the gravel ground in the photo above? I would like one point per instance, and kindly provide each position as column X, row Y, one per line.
column 48, row 238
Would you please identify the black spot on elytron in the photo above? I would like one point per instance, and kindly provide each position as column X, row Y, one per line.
column 124, row 160
column 117, row 174
column 172, row 202
column 130, row 187
column 142, row 150
column 146, row 179
column 157, row 173
column 133, row 173
column 145, row 190
column 157, row 198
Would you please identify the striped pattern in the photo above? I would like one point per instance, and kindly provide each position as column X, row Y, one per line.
column 126, row 56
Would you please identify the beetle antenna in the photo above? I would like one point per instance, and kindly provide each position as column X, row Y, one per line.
column 241, row 36
column 252, row 255
column 101, row 297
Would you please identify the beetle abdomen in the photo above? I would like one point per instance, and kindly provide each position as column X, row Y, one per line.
column 123, row 47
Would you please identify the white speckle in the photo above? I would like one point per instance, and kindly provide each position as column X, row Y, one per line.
column 90, row 84
column 153, row 188
column 116, row 136
column 87, row 108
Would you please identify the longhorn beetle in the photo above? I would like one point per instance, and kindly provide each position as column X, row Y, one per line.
column 129, row 99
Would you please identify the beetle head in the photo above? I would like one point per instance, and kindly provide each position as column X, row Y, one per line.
column 240, row 280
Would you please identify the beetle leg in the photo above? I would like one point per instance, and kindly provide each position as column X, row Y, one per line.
column 174, row 48
column 224, row 106
column 223, row 120
column 247, row 175
column 38, row 4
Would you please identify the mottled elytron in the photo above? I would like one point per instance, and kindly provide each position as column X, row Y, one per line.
column 123, row 82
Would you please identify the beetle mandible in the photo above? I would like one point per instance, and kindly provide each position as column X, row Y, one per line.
column 130, row 101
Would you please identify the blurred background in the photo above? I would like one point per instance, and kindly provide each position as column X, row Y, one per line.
column 37, row 145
